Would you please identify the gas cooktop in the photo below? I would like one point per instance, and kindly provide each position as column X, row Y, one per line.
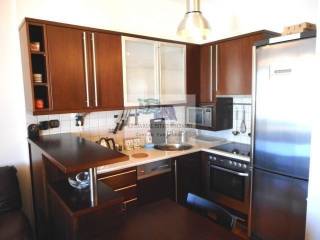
column 235, row 148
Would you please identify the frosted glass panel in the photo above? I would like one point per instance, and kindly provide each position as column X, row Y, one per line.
column 173, row 82
column 140, row 71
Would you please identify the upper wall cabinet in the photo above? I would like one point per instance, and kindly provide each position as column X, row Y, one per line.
column 79, row 70
column 226, row 66
column 108, row 71
column 234, row 63
column 69, row 68
column 172, row 73
column 140, row 80
column 85, row 69
column 153, row 72
column 207, row 75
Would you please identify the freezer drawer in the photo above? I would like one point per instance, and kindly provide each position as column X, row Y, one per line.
column 279, row 207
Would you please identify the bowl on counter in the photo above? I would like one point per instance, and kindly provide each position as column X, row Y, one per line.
column 80, row 181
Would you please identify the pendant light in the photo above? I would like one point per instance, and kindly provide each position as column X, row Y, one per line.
column 193, row 26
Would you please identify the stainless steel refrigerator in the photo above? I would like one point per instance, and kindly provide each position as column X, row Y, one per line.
column 281, row 136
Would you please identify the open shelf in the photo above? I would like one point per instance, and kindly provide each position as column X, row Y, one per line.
column 39, row 66
column 36, row 34
column 38, row 53
column 40, row 84
column 78, row 201
column 41, row 92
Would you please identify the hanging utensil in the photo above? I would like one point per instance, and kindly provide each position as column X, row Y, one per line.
column 119, row 121
column 124, row 120
column 243, row 127
column 236, row 131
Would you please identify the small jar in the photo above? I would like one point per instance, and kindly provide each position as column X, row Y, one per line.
column 39, row 104
column 35, row 46
column 37, row 77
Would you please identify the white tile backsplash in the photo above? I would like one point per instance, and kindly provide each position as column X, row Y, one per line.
column 100, row 124
column 43, row 118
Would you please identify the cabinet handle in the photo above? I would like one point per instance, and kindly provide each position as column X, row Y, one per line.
column 230, row 171
column 124, row 188
column 118, row 174
column 176, row 180
column 211, row 77
column 217, row 80
column 130, row 200
column 84, row 36
column 94, row 69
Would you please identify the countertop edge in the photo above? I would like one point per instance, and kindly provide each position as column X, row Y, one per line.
column 81, row 166
column 173, row 154
column 48, row 156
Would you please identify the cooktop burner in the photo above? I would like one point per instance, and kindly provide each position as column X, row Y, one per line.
column 235, row 148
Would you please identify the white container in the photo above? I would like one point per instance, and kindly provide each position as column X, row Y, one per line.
column 37, row 77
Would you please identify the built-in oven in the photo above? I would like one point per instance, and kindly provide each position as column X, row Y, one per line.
column 228, row 182
column 214, row 117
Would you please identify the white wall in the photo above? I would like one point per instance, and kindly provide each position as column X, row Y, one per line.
column 233, row 17
column 160, row 18
column 154, row 18
column 13, row 147
column 313, row 212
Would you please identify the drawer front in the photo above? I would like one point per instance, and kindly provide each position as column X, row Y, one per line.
column 128, row 192
column 131, row 203
column 122, row 179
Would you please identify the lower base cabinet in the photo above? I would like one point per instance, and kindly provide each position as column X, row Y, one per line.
column 123, row 182
column 188, row 176
column 72, row 218
column 155, row 188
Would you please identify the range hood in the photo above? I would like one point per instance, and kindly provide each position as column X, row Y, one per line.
column 193, row 26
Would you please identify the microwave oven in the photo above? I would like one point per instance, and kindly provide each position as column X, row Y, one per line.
column 215, row 117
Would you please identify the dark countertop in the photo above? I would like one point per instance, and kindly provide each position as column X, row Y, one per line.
column 71, row 153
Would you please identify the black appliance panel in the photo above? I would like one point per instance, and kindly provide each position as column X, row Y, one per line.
column 226, row 183
column 235, row 148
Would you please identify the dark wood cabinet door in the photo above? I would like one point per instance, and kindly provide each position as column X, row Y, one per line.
column 155, row 188
column 108, row 71
column 193, row 73
column 189, row 177
column 66, row 68
column 235, row 66
column 207, row 74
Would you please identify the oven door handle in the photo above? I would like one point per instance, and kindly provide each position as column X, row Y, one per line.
column 231, row 171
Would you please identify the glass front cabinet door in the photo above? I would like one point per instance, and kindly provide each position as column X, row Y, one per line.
column 154, row 73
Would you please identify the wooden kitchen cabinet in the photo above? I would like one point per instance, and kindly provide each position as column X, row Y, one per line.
column 155, row 188
column 234, row 63
column 67, row 68
column 226, row 66
column 85, row 69
column 193, row 73
column 81, row 68
column 207, row 75
column 108, row 71
column 188, row 176
column 123, row 182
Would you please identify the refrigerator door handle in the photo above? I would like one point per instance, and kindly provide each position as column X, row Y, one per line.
column 230, row 171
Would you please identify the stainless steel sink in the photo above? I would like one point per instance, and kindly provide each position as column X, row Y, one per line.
column 173, row 147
